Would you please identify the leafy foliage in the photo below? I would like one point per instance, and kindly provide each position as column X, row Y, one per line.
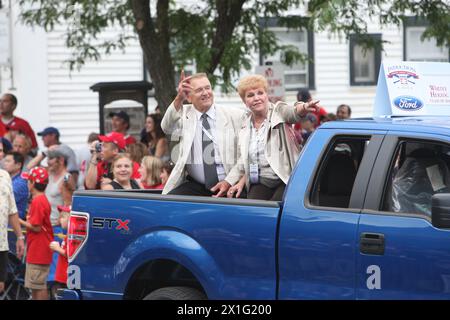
column 220, row 36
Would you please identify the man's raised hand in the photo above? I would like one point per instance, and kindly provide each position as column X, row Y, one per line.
column 184, row 88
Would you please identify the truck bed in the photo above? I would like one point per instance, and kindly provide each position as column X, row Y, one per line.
column 232, row 241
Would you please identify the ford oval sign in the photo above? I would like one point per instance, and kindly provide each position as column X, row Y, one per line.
column 408, row 103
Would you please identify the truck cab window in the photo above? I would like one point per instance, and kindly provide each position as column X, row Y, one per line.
column 337, row 173
column 418, row 171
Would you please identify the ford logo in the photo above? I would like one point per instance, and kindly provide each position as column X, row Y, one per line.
column 408, row 103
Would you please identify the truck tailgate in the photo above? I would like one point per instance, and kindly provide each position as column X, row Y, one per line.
column 239, row 237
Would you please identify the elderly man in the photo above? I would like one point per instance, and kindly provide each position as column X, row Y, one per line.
column 8, row 214
column 22, row 145
column 209, row 135
column 343, row 112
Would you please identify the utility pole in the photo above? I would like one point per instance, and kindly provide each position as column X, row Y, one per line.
column 6, row 50
column 11, row 64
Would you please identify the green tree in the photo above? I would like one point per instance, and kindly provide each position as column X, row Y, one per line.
column 217, row 35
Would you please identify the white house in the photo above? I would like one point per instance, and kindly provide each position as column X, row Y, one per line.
column 31, row 67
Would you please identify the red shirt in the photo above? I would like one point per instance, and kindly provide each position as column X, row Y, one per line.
column 154, row 187
column 27, row 130
column 2, row 129
column 62, row 264
column 103, row 169
column 38, row 243
column 130, row 140
column 320, row 113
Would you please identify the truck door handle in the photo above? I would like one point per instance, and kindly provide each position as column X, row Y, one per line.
column 371, row 243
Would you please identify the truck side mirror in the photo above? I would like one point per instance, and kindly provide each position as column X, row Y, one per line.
column 440, row 210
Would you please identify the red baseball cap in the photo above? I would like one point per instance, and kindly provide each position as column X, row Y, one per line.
column 115, row 137
column 37, row 175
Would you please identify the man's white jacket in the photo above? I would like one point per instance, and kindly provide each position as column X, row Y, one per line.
column 183, row 124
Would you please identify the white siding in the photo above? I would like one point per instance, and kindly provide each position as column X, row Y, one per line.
column 73, row 107
column 28, row 77
column 332, row 71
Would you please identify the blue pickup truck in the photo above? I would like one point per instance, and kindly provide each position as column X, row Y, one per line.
column 366, row 215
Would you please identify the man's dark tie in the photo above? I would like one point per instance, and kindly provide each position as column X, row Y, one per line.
column 209, row 165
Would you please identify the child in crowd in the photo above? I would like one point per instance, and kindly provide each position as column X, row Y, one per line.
column 137, row 151
column 308, row 126
column 150, row 171
column 61, row 266
column 39, row 234
column 166, row 171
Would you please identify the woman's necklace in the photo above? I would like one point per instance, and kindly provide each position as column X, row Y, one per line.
column 259, row 120
column 258, row 123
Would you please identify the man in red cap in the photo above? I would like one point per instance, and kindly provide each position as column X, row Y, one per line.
column 8, row 103
column 39, row 234
column 100, row 171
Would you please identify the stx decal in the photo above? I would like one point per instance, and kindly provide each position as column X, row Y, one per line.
column 111, row 223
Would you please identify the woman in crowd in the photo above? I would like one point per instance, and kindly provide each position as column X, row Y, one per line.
column 154, row 138
column 267, row 147
column 137, row 151
column 150, row 171
column 122, row 168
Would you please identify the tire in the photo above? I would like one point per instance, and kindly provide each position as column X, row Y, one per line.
column 175, row 293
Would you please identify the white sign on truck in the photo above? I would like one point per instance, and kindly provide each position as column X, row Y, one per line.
column 413, row 88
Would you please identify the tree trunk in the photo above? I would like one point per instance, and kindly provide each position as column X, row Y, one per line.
column 155, row 46
column 228, row 15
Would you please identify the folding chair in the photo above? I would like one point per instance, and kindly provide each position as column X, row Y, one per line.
column 14, row 284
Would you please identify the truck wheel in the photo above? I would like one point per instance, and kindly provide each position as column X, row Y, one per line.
column 175, row 293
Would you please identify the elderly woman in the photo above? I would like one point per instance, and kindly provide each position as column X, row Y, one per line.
column 267, row 146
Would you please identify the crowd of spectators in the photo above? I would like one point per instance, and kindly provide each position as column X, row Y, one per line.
column 116, row 160
column 43, row 180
